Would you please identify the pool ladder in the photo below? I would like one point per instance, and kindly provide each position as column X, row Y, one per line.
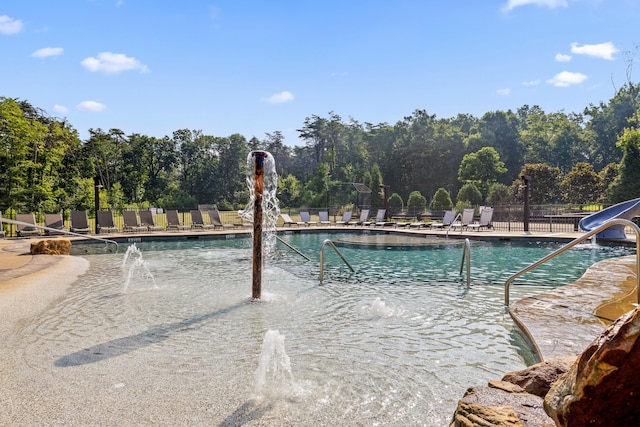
column 611, row 222
column 330, row 243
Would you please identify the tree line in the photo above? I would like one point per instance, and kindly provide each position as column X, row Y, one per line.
column 421, row 160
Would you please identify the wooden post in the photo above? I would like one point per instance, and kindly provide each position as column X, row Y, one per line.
column 258, row 190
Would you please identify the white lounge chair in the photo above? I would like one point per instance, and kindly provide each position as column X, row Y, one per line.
column 306, row 218
column 346, row 217
column 289, row 222
column 486, row 216
column 465, row 219
column 447, row 219
column 324, row 218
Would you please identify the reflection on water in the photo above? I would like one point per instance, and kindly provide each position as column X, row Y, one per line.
column 395, row 343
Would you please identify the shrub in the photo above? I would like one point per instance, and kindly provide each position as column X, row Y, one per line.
column 470, row 193
column 441, row 200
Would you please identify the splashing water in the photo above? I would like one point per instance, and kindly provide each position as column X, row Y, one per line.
column 273, row 376
column 134, row 267
column 270, row 208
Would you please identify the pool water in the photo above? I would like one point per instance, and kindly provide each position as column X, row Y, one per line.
column 398, row 342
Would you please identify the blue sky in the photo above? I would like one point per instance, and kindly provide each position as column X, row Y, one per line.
column 258, row 66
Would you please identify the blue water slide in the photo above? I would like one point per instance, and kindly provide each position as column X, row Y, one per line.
column 625, row 210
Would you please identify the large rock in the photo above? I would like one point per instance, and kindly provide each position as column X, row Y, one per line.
column 51, row 247
column 537, row 379
column 501, row 404
column 603, row 387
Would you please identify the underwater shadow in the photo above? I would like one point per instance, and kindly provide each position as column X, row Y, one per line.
column 125, row 345
column 245, row 413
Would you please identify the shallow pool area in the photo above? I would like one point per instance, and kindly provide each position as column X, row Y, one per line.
column 176, row 340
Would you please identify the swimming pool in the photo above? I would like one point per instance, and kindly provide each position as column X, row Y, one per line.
column 398, row 342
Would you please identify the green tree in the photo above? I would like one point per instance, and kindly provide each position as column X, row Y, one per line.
column 544, row 182
column 627, row 185
column 288, row 190
column 441, row 200
column 396, row 204
column 482, row 167
column 469, row 193
column 416, row 202
column 581, row 185
column 608, row 174
column 499, row 195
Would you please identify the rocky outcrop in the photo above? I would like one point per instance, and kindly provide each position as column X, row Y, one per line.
column 603, row 387
column 516, row 400
column 51, row 247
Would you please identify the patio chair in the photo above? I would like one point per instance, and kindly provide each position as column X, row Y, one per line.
column 324, row 218
column 146, row 220
column 56, row 223
column 216, row 220
column 364, row 215
column 465, row 219
column 289, row 222
column 173, row 221
column 447, row 219
column 26, row 230
column 131, row 222
column 346, row 218
column 80, row 222
column 486, row 217
column 306, row 218
column 197, row 220
column 105, row 222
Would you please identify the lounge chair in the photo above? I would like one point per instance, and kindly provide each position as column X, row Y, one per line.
column 131, row 222
column 486, row 216
column 346, row 218
column 55, row 223
column 146, row 220
column 289, row 222
column 465, row 219
column 105, row 222
column 173, row 221
column 324, row 218
column 25, row 230
column 80, row 222
column 197, row 220
column 447, row 219
column 216, row 220
column 364, row 215
column 306, row 218
column 2, row 234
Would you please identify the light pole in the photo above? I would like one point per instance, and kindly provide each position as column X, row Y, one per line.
column 96, row 200
column 385, row 188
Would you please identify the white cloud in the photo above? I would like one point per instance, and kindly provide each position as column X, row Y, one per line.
column 561, row 57
column 46, row 52
column 60, row 109
column 91, row 106
column 551, row 4
column 567, row 78
column 9, row 25
column 531, row 82
column 280, row 98
column 503, row 92
column 600, row 50
column 113, row 63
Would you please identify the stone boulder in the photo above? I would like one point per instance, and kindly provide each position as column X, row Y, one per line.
column 51, row 247
column 602, row 388
column 516, row 400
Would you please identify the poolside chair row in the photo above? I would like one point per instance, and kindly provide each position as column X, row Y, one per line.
column 450, row 220
column 54, row 223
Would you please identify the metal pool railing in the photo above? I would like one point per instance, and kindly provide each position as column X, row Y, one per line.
column 466, row 255
column 330, row 243
column 615, row 221
column 59, row 231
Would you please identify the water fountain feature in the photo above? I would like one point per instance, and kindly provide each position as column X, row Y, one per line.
column 135, row 269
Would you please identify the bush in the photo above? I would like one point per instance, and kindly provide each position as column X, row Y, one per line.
column 470, row 193
column 499, row 195
column 416, row 201
column 396, row 204
column 441, row 200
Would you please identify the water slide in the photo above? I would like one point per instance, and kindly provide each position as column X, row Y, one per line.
column 626, row 210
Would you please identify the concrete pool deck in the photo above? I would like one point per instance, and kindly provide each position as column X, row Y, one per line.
column 560, row 322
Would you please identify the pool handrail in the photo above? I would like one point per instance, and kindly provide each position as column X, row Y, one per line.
column 615, row 221
column 330, row 243
column 466, row 254
column 59, row 231
column 452, row 222
column 292, row 248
